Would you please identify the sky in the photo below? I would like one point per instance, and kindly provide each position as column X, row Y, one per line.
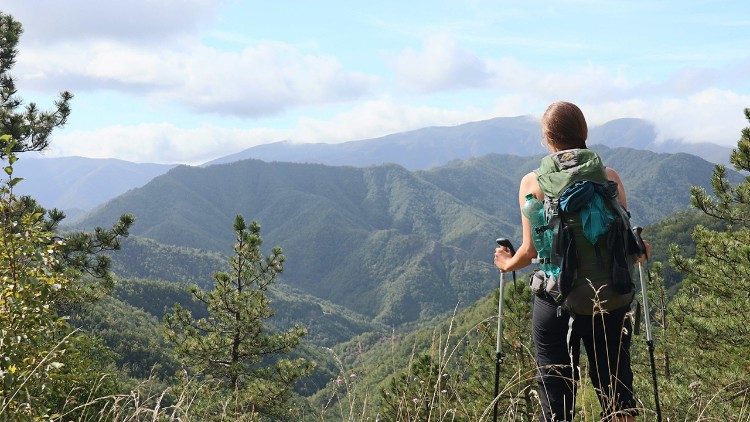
column 187, row 81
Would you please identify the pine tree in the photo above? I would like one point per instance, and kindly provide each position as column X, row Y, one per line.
column 232, row 346
column 45, row 364
column 31, row 128
column 709, row 334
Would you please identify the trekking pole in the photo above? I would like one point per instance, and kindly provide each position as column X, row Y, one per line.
column 498, row 346
column 647, row 320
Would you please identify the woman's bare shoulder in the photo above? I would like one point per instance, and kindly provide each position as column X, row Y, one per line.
column 530, row 184
column 612, row 174
column 529, row 180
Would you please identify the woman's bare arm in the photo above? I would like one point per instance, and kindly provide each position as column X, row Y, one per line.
column 613, row 176
column 623, row 200
column 526, row 252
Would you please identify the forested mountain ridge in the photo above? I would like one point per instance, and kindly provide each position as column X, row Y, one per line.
column 145, row 258
column 386, row 242
column 656, row 184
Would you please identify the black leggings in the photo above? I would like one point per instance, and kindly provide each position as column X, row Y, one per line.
column 607, row 341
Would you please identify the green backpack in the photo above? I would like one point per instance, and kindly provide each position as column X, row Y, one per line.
column 589, row 261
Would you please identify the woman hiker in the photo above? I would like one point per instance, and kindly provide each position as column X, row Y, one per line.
column 604, row 329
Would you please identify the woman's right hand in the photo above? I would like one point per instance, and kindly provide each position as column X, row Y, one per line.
column 502, row 258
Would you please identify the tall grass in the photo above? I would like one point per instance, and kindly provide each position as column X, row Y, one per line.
column 448, row 379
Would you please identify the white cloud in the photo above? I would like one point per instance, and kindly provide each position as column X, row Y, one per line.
column 443, row 65
column 711, row 115
column 148, row 21
column 265, row 78
column 159, row 142
column 153, row 48
column 97, row 65
column 261, row 79
column 440, row 65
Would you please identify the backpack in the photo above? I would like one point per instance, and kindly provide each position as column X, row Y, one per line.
column 589, row 259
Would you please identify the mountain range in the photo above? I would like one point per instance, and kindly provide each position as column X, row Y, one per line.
column 434, row 146
column 78, row 184
column 391, row 244
column 416, row 149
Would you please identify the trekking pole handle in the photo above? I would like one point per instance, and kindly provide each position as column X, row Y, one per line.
column 506, row 243
column 638, row 230
column 501, row 241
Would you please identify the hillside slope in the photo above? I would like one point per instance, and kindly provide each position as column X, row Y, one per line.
column 153, row 277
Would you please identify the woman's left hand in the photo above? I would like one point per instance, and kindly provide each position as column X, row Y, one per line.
column 502, row 258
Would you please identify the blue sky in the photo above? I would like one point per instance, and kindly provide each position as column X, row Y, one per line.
column 191, row 80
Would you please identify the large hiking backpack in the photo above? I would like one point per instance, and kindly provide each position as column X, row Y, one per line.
column 588, row 265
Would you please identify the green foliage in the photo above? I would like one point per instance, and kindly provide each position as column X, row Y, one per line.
column 417, row 394
column 32, row 335
column 43, row 358
column 230, row 347
column 135, row 338
column 129, row 324
column 156, row 297
column 144, row 258
column 702, row 333
column 152, row 262
column 677, row 229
